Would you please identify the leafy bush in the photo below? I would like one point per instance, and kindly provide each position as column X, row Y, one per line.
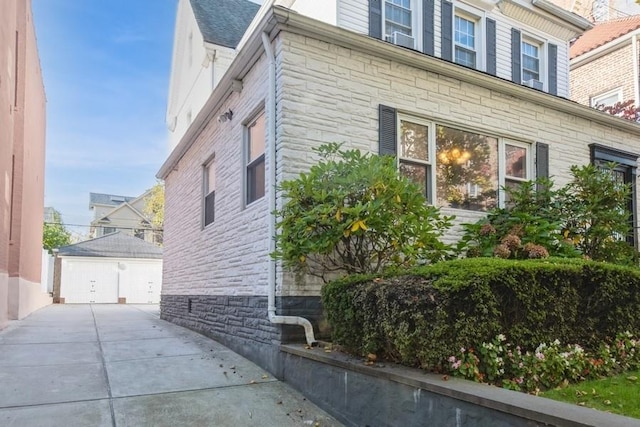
column 353, row 213
column 425, row 316
column 587, row 217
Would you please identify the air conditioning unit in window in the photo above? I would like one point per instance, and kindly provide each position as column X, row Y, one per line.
column 401, row 39
column 536, row 84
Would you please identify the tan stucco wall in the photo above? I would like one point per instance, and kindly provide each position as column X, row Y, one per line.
column 22, row 155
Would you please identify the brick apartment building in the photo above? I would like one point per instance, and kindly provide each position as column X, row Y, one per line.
column 22, row 154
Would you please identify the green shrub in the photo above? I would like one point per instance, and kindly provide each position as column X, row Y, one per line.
column 587, row 217
column 352, row 213
column 423, row 317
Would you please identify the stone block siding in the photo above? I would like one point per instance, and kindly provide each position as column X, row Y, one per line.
column 229, row 256
column 329, row 93
column 242, row 324
column 604, row 74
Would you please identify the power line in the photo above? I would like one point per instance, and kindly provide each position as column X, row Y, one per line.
column 90, row 226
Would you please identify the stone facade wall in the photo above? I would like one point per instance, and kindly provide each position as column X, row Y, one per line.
column 604, row 74
column 328, row 93
column 325, row 93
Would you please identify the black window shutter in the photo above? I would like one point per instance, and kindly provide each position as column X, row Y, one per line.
column 553, row 69
column 375, row 19
column 492, row 59
column 387, row 133
column 447, row 30
column 429, row 34
column 516, row 66
column 542, row 160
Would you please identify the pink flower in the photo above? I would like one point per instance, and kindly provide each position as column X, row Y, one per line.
column 452, row 359
column 540, row 356
column 457, row 364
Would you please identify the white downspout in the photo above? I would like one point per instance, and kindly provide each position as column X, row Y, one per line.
column 271, row 143
column 636, row 72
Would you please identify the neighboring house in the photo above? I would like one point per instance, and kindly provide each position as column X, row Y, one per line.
column 600, row 10
column 22, row 153
column 113, row 213
column 116, row 268
column 206, row 35
column 604, row 63
column 457, row 95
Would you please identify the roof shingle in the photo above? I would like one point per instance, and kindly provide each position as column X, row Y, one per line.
column 223, row 22
column 603, row 33
column 108, row 199
column 115, row 245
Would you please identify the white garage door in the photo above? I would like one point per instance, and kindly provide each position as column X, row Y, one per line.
column 88, row 281
column 142, row 282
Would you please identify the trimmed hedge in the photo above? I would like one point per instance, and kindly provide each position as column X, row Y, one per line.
column 422, row 317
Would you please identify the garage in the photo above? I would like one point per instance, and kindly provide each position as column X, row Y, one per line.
column 112, row 269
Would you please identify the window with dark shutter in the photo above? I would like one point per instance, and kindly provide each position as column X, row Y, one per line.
column 375, row 18
column 492, row 59
column 428, row 30
column 516, row 61
column 447, row 30
column 623, row 172
column 553, row 68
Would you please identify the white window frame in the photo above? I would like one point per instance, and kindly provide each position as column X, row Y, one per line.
column 431, row 150
column 416, row 22
column 247, row 163
column 478, row 17
column 542, row 59
column 432, row 164
column 593, row 101
column 502, row 166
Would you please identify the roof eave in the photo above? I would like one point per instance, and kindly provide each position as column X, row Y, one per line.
column 563, row 14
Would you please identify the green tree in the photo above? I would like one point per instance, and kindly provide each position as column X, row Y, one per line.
column 154, row 210
column 55, row 234
column 353, row 213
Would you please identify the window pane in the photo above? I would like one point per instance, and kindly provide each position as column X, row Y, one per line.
column 515, row 161
column 209, row 208
column 416, row 173
column 414, row 141
column 255, row 181
column 606, row 100
column 210, row 185
column 398, row 16
column 465, row 57
column 257, row 138
column 467, row 169
column 465, row 32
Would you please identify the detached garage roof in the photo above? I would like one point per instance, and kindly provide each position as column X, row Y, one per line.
column 115, row 245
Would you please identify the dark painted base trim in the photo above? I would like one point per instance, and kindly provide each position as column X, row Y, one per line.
column 241, row 322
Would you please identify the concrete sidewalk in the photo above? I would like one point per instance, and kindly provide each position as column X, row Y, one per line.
column 120, row 365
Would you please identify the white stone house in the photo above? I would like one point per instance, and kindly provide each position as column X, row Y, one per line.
column 298, row 82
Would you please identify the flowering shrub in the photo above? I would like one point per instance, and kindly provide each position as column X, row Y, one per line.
column 548, row 366
column 584, row 218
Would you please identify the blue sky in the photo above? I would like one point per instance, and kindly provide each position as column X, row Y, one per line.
column 106, row 67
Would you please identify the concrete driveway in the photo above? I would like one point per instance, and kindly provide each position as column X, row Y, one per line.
column 120, row 365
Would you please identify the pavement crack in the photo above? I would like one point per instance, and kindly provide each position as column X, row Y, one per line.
column 104, row 368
